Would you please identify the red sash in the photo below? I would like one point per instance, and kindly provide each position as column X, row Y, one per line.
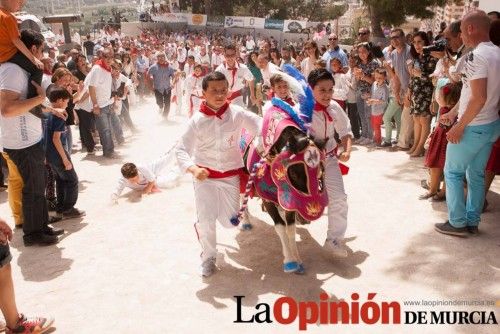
column 215, row 174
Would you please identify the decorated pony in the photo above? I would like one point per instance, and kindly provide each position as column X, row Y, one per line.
column 290, row 177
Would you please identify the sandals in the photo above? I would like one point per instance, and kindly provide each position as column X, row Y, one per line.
column 427, row 196
column 424, row 184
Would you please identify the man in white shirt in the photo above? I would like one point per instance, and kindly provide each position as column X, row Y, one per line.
column 266, row 67
column 209, row 150
column 99, row 82
column 235, row 74
column 21, row 137
column 250, row 44
column 471, row 138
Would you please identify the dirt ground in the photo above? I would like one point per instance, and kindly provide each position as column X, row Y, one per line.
column 134, row 267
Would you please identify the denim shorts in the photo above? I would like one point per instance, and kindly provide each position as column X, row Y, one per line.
column 5, row 256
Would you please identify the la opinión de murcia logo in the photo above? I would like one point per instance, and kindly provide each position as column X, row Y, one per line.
column 286, row 311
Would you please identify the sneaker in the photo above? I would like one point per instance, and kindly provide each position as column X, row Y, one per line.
column 41, row 239
column 335, row 247
column 385, row 144
column 31, row 325
column 208, row 267
column 73, row 213
column 473, row 229
column 55, row 219
column 447, row 228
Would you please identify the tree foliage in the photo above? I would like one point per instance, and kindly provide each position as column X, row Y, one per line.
column 394, row 12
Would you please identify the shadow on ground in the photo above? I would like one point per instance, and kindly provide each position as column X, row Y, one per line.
column 45, row 263
column 259, row 270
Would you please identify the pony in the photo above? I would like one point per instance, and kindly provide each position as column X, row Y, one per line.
column 290, row 177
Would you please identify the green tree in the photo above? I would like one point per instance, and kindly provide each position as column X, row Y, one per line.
column 394, row 12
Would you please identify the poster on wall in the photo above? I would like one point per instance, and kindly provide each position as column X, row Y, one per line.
column 294, row 26
column 197, row 20
column 234, row 22
column 215, row 21
column 254, row 22
column 274, row 24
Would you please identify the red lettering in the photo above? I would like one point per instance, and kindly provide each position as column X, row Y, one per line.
column 278, row 310
column 308, row 314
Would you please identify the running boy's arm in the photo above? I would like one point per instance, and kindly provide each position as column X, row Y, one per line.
column 184, row 150
column 22, row 48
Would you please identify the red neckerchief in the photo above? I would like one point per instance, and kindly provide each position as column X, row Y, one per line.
column 104, row 66
column 233, row 72
column 163, row 65
column 322, row 108
column 47, row 72
column 205, row 109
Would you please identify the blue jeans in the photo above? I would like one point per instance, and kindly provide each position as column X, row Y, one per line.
column 468, row 159
column 104, row 125
column 364, row 111
column 66, row 185
column 117, row 128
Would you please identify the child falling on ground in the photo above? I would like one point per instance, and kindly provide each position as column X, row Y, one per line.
column 378, row 102
column 147, row 178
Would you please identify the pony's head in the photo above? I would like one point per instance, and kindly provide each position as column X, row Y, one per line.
column 298, row 172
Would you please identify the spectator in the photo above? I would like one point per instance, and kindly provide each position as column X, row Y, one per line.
column 400, row 78
column 334, row 51
column 99, row 82
column 471, row 138
column 420, row 92
column 16, row 322
column 24, row 145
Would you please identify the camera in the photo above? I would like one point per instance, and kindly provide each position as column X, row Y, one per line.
column 437, row 46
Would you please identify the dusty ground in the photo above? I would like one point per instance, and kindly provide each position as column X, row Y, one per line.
column 133, row 268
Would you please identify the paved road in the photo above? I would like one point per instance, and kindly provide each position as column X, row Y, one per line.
column 133, row 268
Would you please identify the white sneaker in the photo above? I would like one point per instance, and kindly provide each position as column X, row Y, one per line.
column 335, row 247
column 208, row 267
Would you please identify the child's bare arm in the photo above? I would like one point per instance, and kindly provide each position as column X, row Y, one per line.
column 56, row 139
column 21, row 47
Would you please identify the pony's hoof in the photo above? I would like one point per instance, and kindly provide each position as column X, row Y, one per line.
column 246, row 227
column 301, row 270
column 290, row 267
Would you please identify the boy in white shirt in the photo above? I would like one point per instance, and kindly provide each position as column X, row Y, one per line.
column 147, row 178
column 194, row 91
column 209, row 150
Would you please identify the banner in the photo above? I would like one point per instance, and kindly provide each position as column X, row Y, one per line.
column 197, row 20
column 254, row 22
column 294, row 26
column 274, row 24
column 234, row 22
column 215, row 21
column 171, row 18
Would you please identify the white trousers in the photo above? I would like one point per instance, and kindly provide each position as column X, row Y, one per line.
column 216, row 200
column 166, row 170
column 337, row 200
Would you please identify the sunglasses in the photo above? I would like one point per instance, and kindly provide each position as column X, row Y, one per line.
column 332, row 39
column 394, row 37
column 362, row 33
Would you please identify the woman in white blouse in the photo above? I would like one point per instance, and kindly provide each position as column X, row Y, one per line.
column 313, row 55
